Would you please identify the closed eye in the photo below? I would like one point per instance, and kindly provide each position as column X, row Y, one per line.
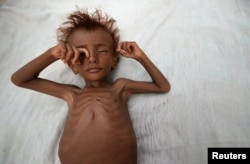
column 101, row 51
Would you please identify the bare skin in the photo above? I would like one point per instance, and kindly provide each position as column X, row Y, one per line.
column 98, row 128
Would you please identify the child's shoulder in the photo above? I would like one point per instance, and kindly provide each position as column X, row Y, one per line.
column 121, row 82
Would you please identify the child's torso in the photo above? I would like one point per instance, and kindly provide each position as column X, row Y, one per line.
column 98, row 129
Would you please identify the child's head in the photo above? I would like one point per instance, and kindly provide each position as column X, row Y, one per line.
column 88, row 21
column 97, row 33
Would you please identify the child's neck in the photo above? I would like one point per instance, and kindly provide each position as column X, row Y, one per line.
column 97, row 84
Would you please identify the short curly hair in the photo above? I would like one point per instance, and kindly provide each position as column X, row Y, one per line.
column 82, row 18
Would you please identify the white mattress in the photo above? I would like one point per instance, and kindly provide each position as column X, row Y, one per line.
column 202, row 47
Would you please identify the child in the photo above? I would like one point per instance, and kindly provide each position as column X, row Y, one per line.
column 98, row 128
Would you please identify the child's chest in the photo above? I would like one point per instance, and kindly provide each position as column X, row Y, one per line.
column 99, row 104
column 104, row 98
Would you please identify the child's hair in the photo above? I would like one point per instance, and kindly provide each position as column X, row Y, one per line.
column 89, row 21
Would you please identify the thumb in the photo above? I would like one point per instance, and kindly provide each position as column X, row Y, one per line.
column 122, row 51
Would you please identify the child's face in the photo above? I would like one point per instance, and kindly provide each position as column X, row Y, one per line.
column 99, row 45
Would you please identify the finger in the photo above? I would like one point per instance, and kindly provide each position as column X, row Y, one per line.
column 69, row 53
column 123, row 52
column 85, row 51
column 76, row 60
column 126, row 46
column 130, row 46
column 118, row 48
column 62, row 48
column 122, row 48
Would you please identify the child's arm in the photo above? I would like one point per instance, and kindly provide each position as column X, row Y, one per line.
column 159, row 83
column 27, row 76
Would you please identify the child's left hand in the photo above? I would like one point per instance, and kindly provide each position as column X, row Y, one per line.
column 130, row 50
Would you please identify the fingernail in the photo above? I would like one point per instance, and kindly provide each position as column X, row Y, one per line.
column 123, row 51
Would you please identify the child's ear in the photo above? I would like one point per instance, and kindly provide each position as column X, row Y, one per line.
column 73, row 68
column 115, row 61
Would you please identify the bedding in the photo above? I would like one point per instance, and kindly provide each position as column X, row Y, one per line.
column 202, row 47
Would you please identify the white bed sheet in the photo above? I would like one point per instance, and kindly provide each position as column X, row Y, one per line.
column 202, row 47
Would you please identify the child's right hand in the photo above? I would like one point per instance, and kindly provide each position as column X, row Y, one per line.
column 68, row 53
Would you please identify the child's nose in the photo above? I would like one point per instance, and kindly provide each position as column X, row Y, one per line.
column 92, row 58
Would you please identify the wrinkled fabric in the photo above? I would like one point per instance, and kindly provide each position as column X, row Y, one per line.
column 202, row 47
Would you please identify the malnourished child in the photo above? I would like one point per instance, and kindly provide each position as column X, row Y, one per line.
column 98, row 129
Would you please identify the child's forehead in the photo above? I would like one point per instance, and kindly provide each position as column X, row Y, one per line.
column 96, row 36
